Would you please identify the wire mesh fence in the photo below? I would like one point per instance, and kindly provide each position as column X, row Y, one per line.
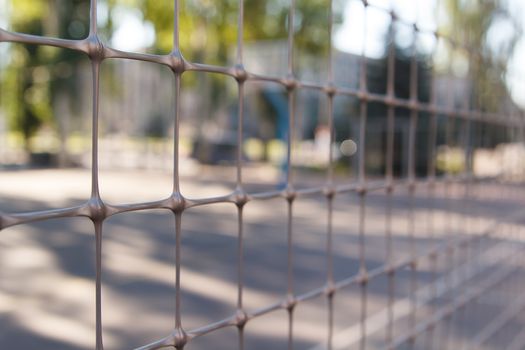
column 436, row 241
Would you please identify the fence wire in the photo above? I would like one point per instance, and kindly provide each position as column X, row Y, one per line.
column 479, row 258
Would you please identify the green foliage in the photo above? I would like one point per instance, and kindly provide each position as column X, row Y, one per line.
column 35, row 75
column 208, row 29
column 27, row 91
column 469, row 23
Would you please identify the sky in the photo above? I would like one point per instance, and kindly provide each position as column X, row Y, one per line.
column 516, row 77
column 351, row 35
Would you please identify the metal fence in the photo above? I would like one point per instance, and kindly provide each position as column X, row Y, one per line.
column 475, row 259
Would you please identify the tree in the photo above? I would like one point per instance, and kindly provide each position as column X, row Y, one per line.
column 490, row 54
column 36, row 75
column 209, row 28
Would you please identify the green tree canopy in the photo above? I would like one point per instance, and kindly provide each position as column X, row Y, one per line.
column 35, row 74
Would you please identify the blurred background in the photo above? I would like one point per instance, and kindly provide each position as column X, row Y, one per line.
column 46, row 279
column 45, row 96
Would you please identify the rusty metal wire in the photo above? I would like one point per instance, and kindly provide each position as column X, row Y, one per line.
column 448, row 250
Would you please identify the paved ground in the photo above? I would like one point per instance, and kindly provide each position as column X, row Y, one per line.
column 47, row 268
